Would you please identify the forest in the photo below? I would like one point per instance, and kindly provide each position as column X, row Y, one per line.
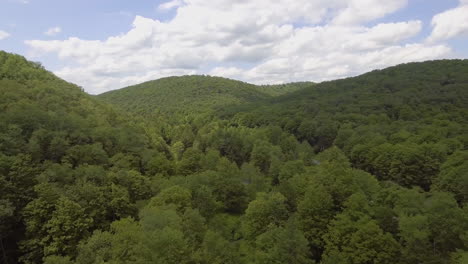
column 371, row 169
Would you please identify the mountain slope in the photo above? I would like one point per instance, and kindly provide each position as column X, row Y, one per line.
column 186, row 94
column 399, row 123
column 59, row 150
column 282, row 89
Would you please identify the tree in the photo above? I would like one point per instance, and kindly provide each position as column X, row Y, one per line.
column 267, row 211
column 176, row 195
column 167, row 246
column 86, row 155
column 67, row 226
column 353, row 237
column 217, row 250
column 453, row 176
column 231, row 193
column 314, row 213
column 262, row 154
column 53, row 229
column 282, row 245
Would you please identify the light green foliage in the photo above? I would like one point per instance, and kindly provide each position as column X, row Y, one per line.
column 54, row 228
column 167, row 246
column 314, row 214
column 353, row 237
column 178, row 196
column 282, row 245
column 460, row 257
column 430, row 227
column 217, row 250
column 267, row 211
column 123, row 244
column 189, row 94
column 153, row 218
column 51, row 132
column 138, row 186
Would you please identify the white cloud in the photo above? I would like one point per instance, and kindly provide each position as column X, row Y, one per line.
column 450, row 24
column 274, row 41
column 53, row 31
column 364, row 10
column 24, row 2
column 170, row 5
column 4, row 34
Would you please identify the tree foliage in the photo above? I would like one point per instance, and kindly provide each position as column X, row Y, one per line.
column 199, row 169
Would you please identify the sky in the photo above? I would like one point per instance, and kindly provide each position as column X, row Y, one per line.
column 103, row 45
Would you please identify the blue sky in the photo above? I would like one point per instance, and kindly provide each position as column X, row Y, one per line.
column 86, row 19
column 108, row 44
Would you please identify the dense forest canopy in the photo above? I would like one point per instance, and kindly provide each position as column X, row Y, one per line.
column 192, row 94
column 198, row 169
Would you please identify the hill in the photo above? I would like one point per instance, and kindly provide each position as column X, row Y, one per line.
column 186, row 94
column 192, row 94
column 399, row 123
column 282, row 89
column 60, row 150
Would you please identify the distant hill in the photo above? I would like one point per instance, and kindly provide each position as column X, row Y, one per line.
column 282, row 89
column 432, row 84
column 397, row 123
column 192, row 94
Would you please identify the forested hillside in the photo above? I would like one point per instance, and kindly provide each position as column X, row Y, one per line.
column 281, row 89
column 365, row 170
column 399, row 124
column 183, row 95
column 68, row 164
column 193, row 94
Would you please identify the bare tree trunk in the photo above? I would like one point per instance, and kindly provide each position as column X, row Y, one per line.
column 5, row 260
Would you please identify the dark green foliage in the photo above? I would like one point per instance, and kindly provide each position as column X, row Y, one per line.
column 453, row 176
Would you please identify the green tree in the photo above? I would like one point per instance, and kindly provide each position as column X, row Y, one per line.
column 314, row 214
column 217, row 250
column 353, row 237
column 176, row 195
column 267, row 211
column 282, row 245
column 453, row 176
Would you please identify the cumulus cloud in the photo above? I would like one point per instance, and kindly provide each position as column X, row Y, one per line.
column 53, row 31
column 359, row 11
column 262, row 41
column 4, row 34
column 170, row 5
column 451, row 23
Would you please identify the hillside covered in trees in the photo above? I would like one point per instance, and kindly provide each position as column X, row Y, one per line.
column 196, row 169
column 192, row 94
